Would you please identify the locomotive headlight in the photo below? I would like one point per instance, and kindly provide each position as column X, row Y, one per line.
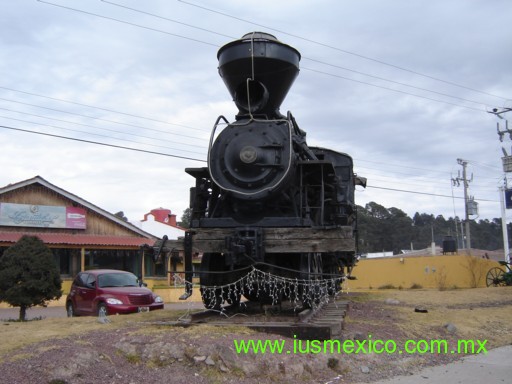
column 248, row 154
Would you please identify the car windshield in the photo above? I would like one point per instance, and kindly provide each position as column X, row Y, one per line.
column 117, row 280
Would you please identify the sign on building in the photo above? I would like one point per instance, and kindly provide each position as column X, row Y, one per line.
column 42, row 216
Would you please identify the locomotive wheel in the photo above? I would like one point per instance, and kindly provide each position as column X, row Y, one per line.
column 331, row 274
column 213, row 298
column 311, row 269
column 252, row 295
column 495, row 277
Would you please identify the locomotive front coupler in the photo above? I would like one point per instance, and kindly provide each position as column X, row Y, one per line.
column 243, row 246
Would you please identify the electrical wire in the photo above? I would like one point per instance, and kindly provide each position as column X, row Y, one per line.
column 127, row 22
column 310, row 69
column 392, row 89
column 161, row 131
column 303, row 57
column 342, row 50
column 99, row 143
column 195, row 159
column 98, row 134
column 426, row 193
column 92, row 126
column 392, row 81
column 102, row 109
column 100, row 119
column 210, row 31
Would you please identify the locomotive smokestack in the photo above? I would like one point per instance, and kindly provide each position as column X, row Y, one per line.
column 258, row 71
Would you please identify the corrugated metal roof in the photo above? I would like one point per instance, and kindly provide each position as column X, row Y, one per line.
column 78, row 239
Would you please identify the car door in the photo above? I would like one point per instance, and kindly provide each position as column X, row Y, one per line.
column 85, row 293
column 89, row 294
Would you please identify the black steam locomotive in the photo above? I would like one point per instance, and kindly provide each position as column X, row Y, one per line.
column 267, row 200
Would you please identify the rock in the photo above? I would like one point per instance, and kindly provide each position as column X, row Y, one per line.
column 359, row 336
column 103, row 320
column 450, row 327
column 199, row 359
column 365, row 369
column 293, row 371
column 228, row 356
column 251, row 369
column 209, row 361
column 126, row 347
column 420, row 310
column 392, row 301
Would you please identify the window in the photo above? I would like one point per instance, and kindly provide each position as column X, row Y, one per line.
column 122, row 259
column 64, row 259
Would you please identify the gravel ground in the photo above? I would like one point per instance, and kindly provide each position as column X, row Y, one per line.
column 60, row 311
column 145, row 353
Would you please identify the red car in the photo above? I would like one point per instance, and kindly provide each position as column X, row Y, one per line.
column 106, row 292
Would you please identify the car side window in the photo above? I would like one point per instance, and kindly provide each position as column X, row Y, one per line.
column 79, row 280
column 91, row 281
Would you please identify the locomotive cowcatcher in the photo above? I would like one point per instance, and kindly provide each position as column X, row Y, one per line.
column 266, row 199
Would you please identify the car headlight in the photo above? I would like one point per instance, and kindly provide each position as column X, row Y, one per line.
column 158, row 299
column 111, row 300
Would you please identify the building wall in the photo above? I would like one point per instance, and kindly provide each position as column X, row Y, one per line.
column 36, row 194
column 441, row 272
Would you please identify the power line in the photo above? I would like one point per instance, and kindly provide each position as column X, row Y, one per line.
column 97, row 134
column 141, row 127
column 437, row 171
column 362, row 167
column 127, row 22
column 99, row 143
column 92, row 126
column 100, row 119
column 204, row 161
column 325, row 73
column 148, row 118
column 303, row 57
column 391, row 89
column 426, row 193
column 392, row 81
column 101, row 108
column 168, row 19
column 343, row 50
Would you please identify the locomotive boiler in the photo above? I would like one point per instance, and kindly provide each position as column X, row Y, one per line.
column 266, row 200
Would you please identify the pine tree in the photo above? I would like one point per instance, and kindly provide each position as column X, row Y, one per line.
column 29, row 275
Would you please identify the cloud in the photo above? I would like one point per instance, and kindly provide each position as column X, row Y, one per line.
column 365, row 92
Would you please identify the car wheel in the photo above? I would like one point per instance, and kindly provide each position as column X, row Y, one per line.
column 70, row 310
column 102, row 310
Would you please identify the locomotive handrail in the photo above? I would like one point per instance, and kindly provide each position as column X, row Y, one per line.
column 213, row 135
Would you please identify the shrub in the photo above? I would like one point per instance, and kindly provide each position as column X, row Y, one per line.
column 29, row 275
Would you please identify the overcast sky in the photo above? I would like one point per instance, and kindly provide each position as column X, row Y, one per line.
column 402, row 86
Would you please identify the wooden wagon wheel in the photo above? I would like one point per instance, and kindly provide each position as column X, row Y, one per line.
column 495, row 277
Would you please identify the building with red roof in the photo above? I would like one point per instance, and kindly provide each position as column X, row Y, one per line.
column 80, row 234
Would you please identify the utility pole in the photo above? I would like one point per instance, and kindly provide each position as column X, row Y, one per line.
column 507, row 168
column 465, row 184
column 504, row 222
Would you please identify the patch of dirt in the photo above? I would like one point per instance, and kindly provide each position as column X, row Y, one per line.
column 135, row 349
